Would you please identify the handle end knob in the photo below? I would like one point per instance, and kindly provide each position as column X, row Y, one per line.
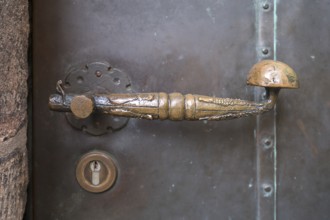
column 81, row 106
column 273, row 74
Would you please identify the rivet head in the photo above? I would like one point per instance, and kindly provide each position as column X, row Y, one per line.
column 267, row 142
column 98, row 73
column 81, row 106
column 265, row 6
column 267, row 190
column 265, row 51
column 96, row 171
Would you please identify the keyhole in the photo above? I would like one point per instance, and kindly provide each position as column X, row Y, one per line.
column 95, row 167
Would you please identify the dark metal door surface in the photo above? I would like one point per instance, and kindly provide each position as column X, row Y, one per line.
column 273, row 166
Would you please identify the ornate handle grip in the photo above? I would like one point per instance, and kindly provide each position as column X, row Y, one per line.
column 272, row 75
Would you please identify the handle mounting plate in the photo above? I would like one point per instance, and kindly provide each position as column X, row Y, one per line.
column 96, row 77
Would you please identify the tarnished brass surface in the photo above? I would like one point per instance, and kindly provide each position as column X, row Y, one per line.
column 107, row 169
column 272, row 75
column 176, row 106
column 81, row 106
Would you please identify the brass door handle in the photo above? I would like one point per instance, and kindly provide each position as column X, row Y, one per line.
column 273, row 75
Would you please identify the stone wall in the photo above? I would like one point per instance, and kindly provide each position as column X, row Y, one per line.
column 14, row 33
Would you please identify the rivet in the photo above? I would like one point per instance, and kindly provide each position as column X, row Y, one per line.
column 265, row 6
column 80, row 79
column 265, row 51
column 128, row 87
column 98, row 73
column 267, row 142
column 267, row 189
column 116, row 81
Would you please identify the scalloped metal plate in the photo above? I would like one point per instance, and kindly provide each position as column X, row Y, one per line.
column 92, row 78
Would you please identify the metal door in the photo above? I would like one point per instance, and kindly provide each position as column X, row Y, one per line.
column 273, row 166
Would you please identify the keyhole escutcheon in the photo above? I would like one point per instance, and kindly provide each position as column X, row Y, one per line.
column 96, row 171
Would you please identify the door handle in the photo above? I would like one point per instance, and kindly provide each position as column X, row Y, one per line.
column 273, row 75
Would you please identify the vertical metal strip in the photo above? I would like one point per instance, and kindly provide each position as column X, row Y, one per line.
column 275, row 29
column 275, row 110
column 265, row 133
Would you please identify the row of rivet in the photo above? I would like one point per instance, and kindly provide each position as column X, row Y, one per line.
column 265, row 133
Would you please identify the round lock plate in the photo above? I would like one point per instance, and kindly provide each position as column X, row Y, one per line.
column 96, row 171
